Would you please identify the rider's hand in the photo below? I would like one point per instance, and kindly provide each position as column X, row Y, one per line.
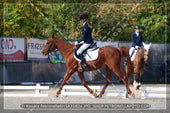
column 137, row 47
column 76, row 43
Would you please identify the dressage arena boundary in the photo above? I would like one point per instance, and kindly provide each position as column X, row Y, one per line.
column 37, row 89
column 77, row 90
column 115, row 91
column 74, row 90
column 155, row 92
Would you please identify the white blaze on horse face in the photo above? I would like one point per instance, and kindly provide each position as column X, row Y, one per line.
column 147, row 46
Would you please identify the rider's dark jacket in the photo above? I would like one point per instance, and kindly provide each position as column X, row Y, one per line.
column 87, row 38
column 137, row 40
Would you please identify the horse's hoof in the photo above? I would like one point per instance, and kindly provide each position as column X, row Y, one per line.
column 94, row 94
column 138, row 87
column 132, row 95
column 99, row 96
column 56, row 96
column 135, row 86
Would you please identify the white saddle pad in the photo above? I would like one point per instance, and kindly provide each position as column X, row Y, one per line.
column 90, row 56
column 133, row 56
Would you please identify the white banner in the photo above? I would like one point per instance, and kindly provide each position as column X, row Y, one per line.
column 12, row 49
column 34, row 48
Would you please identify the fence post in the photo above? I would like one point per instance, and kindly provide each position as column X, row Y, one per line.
column 37, row 91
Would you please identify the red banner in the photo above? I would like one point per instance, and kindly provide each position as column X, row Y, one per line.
column 12, row 49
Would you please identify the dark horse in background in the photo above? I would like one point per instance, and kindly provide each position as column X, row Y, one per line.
column 138, row 65
column 108, row 55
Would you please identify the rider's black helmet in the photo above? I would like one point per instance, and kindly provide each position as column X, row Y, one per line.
column 83, row 16
column 137, row 27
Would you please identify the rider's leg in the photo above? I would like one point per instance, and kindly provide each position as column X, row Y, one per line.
column 131, row 51
column 80, row 52
column 82, row 48
column 83, row 61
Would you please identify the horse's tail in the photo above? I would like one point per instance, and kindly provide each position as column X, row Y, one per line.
column 127, row 62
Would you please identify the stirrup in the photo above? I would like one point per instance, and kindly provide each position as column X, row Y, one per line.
column 86, row 65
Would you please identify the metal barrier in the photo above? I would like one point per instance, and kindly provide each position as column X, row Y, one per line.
column 37, row 89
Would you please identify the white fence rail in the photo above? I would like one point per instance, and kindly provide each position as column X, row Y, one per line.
column 155, row 92
column 37, row 89
column 115, row 91
column 74, row 90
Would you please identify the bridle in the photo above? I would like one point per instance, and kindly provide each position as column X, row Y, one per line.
column 145, row 55
column 49, row 46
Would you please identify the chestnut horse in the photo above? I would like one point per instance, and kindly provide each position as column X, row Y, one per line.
column 138, row 65
column 108, row 55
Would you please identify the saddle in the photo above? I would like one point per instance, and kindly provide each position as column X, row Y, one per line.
column 90, row 54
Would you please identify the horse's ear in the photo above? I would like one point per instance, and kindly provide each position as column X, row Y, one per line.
column 53, row 36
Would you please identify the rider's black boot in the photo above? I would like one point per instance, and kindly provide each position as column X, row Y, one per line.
column 83, row 62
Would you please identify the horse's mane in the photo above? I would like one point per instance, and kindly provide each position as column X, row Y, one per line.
column 64, row 47
column 63, row 41
column 140, row 52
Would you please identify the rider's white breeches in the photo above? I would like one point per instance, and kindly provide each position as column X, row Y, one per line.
column 82, row 48
column 131, row 50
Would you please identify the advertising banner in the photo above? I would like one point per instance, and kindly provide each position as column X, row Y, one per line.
column 56, row 57
column 12, row 49
column 34, row 48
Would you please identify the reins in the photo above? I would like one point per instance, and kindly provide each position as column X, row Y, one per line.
column 63, row 49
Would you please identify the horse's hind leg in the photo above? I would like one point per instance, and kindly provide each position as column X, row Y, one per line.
column 108, row 79
column 81, row 75
column 127, row 73
column 125, row 81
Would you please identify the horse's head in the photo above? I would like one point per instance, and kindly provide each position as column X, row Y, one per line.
column 49, row 46
column 146, row 50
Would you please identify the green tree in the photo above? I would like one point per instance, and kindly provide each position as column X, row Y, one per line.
column 113, row 20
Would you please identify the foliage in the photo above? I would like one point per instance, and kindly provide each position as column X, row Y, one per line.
column 109, row 21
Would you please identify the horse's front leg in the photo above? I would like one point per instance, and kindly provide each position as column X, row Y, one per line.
column 135, row 83
column 67, row 76
column 81, row 75
column 141, row 78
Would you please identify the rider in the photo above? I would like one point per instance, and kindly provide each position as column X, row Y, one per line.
column 86, row 40
column 137, row 40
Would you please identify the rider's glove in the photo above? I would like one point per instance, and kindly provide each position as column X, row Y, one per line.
column 76, row 43
column 136, row 47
